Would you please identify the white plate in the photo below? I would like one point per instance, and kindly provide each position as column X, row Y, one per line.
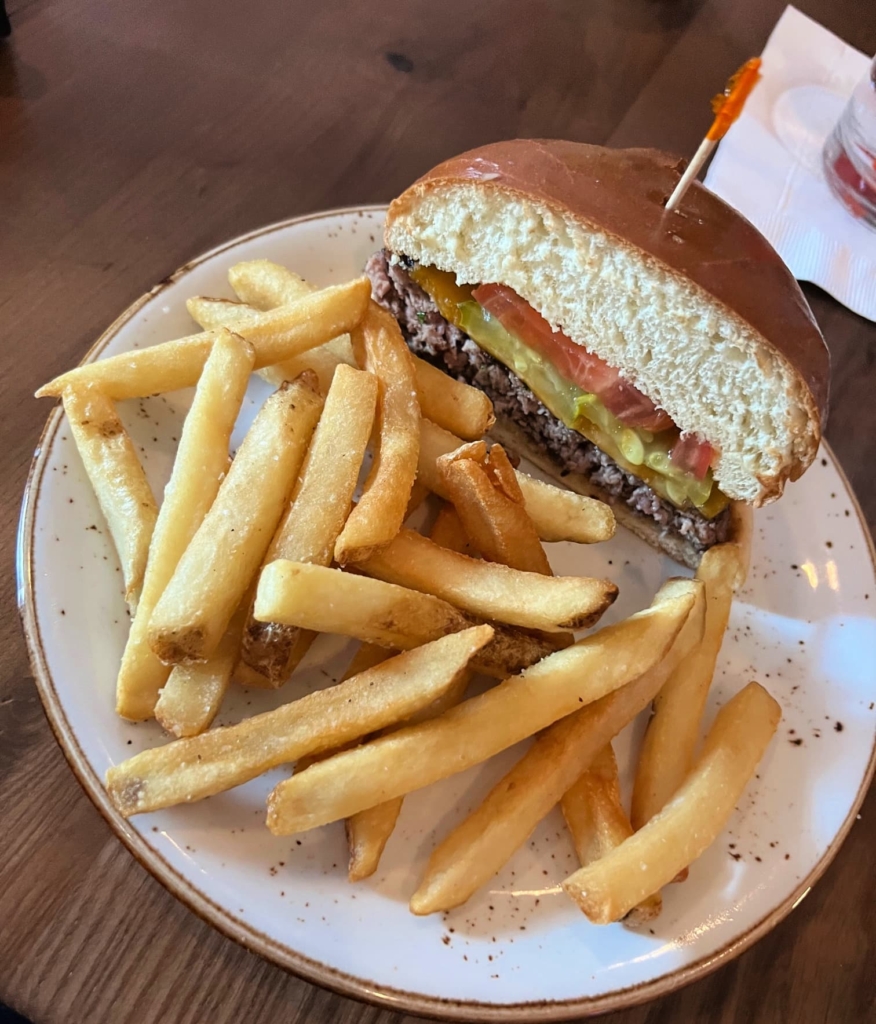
column 518, row 950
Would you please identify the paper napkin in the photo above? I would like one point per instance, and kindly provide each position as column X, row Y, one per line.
column 769, row 165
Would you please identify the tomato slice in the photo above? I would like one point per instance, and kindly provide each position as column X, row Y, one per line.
column 575, row 363
column 692, row 455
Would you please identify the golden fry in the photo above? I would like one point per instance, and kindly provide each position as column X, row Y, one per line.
column 670, row 741
column 487, row 838
column 368, row 831
column 564, row 515
column 190, row 769
column 200, row 465
column 211, row 314
column 323, row 361
column 419, row 494
column 278, row 335
column 366, row 656
column 380, row 512
column 598, row 823
column 319, row 507
column 219, row 564
column 448, row 532
column 271, row 285
column 451, row 404
column 456, row 406
column 610, row 887
column 480, row 727
column 486, row 494
column 332, row 601
column 557, row 514
column 193, row 694
column 118, row 480
column 741, row 530
column 488, row 589
column 265, row 285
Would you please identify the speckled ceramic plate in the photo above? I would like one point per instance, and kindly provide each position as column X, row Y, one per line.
column 518, row 951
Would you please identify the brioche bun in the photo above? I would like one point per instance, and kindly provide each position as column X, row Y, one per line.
column 694, row 307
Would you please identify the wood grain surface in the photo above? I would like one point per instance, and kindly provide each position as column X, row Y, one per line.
column 134, row 136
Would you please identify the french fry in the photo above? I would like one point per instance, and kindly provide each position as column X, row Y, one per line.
column 190, row 769
column 471, row 732
column 741, row 530
column 193, row 694
column 319, row 507
column 448, row 532
column 590, row 805
column 557, row 514
column 366, row 656
column 278, row 335
column 670, row 740
column 323, row 360
column 331, row 601
column 250, row 677
column 118, row 480
column 265, row 285
column 453, row 405
column 218, row 566
column 610, row 887
column 368, row 831
column 488, row 589
column 487, row 838
column 598, row 823
column 211, row 314
column 419, row 494
column 447, row 406
column 484, row 490
column 200, row 465
column 380, row 512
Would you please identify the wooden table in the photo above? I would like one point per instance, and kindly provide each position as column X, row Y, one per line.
column 134, row 136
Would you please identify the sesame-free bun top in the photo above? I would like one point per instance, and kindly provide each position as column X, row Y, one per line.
column 693, row 306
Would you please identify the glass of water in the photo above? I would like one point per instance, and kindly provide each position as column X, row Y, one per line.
column 850, row 152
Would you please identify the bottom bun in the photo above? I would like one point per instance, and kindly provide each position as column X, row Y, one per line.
column 678, row 548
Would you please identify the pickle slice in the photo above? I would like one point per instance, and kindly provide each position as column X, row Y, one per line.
column 637, row 451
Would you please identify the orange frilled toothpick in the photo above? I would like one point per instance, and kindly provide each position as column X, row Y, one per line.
column 727, row 107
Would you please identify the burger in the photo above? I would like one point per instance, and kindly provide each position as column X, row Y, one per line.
column 665, row 362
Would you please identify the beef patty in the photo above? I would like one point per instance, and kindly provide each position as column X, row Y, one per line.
column 433, row 338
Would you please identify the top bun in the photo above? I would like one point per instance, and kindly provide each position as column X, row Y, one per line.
column 694, row 307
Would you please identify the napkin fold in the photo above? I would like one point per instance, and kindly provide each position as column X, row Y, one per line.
column 769, row 164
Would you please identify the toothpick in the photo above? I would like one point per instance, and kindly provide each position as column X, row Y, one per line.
column 727, row 107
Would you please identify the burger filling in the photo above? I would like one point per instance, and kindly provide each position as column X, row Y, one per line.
column 568, row 402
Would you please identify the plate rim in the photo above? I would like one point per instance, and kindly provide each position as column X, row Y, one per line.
column 250, row 938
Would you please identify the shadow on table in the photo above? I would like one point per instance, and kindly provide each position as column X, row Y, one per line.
column 8, row 1016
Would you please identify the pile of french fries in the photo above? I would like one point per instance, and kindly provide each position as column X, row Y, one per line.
column 248, row 559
